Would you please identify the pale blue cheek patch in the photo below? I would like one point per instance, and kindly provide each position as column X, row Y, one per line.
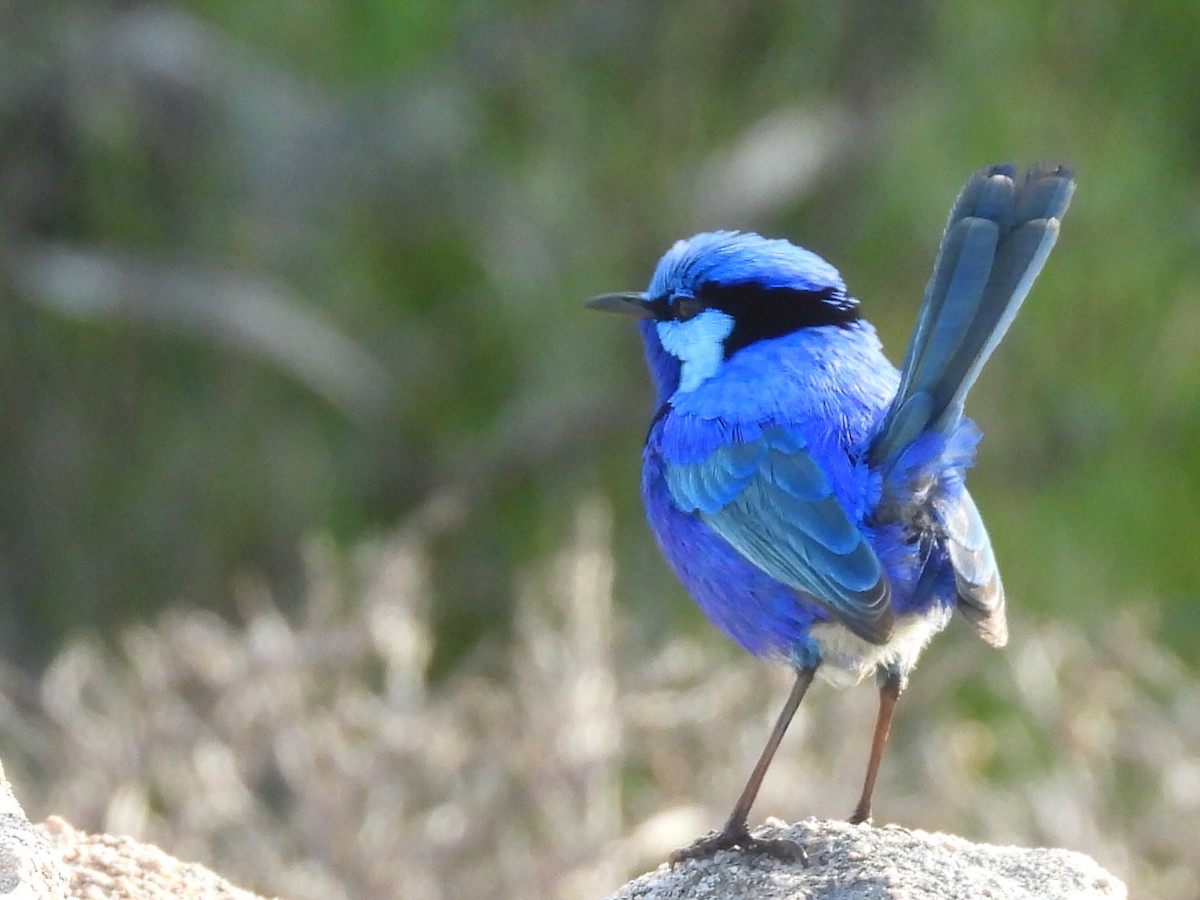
column 698, row 344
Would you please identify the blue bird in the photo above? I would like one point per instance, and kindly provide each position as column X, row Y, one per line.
column 808, row 495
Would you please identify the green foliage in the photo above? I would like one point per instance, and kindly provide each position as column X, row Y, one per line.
column 273, row 269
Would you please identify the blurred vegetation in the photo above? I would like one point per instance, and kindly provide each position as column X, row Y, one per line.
column 313, row 756
column 274, row 269
column 270, row 270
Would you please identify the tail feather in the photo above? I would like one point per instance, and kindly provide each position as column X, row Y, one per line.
column 998, row 236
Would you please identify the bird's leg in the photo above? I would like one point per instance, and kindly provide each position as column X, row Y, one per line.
column 736, row 832
column 889, row 693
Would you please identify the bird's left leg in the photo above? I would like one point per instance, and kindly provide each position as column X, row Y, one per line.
column 890, row 686
column 736, row 832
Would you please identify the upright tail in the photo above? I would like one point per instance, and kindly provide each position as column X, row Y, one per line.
column 1000, row 232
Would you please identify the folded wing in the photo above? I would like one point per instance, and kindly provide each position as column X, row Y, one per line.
column 772, row 502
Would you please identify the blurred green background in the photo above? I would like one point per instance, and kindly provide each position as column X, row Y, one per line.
column 280, row 269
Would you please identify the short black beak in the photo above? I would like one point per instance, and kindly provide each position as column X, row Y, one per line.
column 630, row 303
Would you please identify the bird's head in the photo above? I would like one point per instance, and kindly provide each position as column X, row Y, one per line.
column 715, row 293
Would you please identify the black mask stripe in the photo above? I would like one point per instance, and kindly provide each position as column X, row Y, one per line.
column 760, row 313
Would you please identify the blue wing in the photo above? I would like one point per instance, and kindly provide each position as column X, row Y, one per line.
column 774, row 504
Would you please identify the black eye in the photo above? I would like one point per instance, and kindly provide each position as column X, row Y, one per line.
column 687, row 308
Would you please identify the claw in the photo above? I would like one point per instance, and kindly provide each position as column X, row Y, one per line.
column 736, row 836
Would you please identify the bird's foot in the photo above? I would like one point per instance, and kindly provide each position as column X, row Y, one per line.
column 736, row 836
column 860, row 817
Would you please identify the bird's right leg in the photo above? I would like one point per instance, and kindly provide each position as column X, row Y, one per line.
column 736, row 832
column 891, row 685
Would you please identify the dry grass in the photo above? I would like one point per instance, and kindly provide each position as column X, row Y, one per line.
column 312, row 757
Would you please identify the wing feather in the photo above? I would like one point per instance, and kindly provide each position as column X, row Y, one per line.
column 771, row 500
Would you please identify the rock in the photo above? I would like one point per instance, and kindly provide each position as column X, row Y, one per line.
column 857, row 862
column 54, row 861
column 105, row 865
column 29, row 868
